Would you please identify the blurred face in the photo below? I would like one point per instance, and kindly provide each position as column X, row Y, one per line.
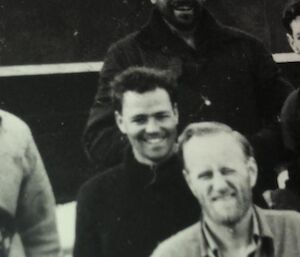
column 149, row 120
column 182, row 14
column 294, row 38
column 220, row 177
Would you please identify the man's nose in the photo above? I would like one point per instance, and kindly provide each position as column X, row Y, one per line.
column 219, row 182
column 152, row 126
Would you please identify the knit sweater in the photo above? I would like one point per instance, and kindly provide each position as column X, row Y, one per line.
column 26, row 195
column 279, row 232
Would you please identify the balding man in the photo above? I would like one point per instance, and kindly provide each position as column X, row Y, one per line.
column 221, row 171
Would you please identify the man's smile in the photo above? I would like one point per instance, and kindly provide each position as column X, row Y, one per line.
column 154, row 139
column 224, row 197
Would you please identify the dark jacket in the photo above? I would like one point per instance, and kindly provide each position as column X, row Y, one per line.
column 229, row 68
column 290, row 121
column 129, row 209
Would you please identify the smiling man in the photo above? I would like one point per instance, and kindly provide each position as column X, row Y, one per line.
column 221, row 171
column 131, row 207
column 151, row 134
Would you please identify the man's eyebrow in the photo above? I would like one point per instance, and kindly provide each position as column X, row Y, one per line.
column 137, row 116
column 162, row 112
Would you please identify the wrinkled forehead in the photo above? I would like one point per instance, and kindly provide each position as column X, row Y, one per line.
column 221, row 147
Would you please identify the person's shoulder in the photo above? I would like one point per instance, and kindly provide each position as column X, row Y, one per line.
column 247, row 44
column 125, row 42
column 101, row 185
column 181, row 244
column 103, row 180
column 283, row 220
column 13, row 123
column 281, row 214
column 291, row 106
column 293, row 97
column 284, row 228
column 234, row 34
column 15, row 135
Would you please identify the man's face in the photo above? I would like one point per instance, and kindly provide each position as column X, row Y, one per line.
column 182, row 14
column 294, row 38
column 149, row 120
column 220, row 177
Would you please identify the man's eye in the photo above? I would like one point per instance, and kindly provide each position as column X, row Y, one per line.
column 162, row 116
column 205, row 175
column 139, row 120
column 227, row 171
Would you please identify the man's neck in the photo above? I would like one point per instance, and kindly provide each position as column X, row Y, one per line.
column 188, row 36
column 153, row 163
column 233, row 237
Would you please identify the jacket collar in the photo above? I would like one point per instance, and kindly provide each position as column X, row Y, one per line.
column 265, row 231
column 157, row 34
column 261, row 232
column 146, row 176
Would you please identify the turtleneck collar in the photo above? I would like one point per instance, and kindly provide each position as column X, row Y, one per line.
column 151, row 175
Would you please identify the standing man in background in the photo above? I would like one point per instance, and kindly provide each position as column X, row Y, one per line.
column 223, row 74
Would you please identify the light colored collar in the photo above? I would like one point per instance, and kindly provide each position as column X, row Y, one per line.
column 260, row 230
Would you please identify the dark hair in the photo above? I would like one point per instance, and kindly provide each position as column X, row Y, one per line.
column 141, row 80
column 290, row 12
column 203, row 129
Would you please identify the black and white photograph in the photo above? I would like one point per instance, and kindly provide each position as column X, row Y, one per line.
column 149, row 128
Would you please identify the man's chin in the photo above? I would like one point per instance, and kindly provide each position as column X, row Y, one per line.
column 184, row 17
column 186, row 20
column 158, row 157
column 226, row 213
column 184, row 25
column 228, row 206
column 227, row 218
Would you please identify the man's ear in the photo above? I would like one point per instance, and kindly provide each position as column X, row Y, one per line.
column 253, row 171
column 119, row 121
column 188, row 180
column 292, row 43
column 186, row 175
column 175, row 110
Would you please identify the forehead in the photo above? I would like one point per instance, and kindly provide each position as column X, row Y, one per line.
column 156, row 100
column 295, row 25
column 221, row 149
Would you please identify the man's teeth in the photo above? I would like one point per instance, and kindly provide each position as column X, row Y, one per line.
column 224, row 197
column 154, row 140
column 183, row 8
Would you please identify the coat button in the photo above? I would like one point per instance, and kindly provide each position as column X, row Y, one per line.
column 165, row 49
